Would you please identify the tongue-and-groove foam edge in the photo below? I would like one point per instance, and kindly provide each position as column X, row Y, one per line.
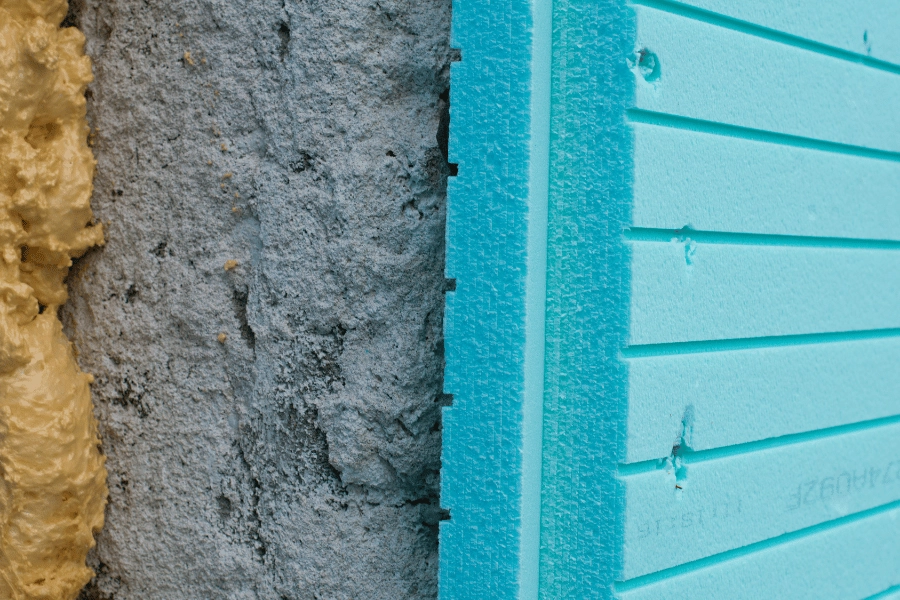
column 493, row 324
column 484, row 321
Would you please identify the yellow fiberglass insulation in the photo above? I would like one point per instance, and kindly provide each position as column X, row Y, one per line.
column 52, row 475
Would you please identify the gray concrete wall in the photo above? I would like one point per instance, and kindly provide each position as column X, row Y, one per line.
column 299, row 459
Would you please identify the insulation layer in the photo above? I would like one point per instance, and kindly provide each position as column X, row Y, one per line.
column 720, row 331
column 52, row 475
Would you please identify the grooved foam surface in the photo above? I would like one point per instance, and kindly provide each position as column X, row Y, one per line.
column 721, row 398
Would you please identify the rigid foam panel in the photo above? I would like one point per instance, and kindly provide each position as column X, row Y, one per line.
column 673, row 338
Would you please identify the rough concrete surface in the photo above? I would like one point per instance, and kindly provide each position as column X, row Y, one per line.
column 299, row 458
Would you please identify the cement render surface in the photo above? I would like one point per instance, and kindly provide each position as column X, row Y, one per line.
column 300, row 458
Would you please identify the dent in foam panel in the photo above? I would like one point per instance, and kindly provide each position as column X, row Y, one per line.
column 721, row 342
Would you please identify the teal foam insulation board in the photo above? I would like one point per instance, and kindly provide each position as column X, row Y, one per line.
column 673, row 344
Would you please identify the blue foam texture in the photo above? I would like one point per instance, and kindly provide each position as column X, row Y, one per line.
column 674, row 341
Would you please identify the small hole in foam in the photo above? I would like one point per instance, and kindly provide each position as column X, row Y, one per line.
column 648, row 65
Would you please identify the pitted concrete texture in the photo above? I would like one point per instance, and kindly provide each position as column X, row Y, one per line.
column 299, row 457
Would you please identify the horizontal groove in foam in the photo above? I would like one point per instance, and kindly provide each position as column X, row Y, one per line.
column 720, row 75
column 771, row 138
column 690, row 456
column 893, row 593
column 745, row 498
column 753, row 343
column 684, row 291
column 644, row 234
column 696, row 179
column 850, row 557
column 742, row 396
column 854, row 31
